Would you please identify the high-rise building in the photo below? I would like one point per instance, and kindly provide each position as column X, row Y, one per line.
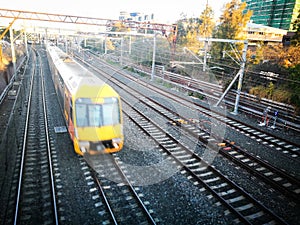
column 274, row 13
column 136, row 16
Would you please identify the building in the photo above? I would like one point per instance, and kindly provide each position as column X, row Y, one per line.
column 274, row 13
column 136, row 16
column 257, row 33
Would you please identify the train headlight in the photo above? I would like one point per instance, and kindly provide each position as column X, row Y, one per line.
column 83, row 149
column 116, row 142
column 84, row 146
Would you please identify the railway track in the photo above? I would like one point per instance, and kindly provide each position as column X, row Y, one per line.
column 34, row 200
column 288, row 148
column 277, row 178
column 118, row 201
column 246, row 209
column 254, row 165
column 279, row 144
column 249, row 104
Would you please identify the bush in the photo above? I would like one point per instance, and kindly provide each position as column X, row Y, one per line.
column 269, row 92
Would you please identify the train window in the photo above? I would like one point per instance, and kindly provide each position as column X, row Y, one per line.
column 81, row 115
column 96, row 115
column 111, row 114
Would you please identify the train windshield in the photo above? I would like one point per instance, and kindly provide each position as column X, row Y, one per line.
column 89, row 114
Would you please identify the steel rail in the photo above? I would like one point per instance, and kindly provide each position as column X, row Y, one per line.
column 228, row 205
column 135, row 194
column 278, row 219
column 94, row 175
column 24, row 147
column 48, row 146
column 221, row 119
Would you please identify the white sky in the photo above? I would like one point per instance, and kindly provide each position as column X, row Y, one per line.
column 165, row 11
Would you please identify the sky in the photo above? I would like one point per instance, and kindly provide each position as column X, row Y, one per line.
column 165, row 11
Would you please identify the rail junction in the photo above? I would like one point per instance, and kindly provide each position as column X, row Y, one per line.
column 184, row 161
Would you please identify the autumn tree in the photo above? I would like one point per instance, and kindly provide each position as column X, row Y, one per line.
column 192, row 42
column 208, row 24
column 119, row 27
column 233, row 22
column 193, row 28
column 284, row 61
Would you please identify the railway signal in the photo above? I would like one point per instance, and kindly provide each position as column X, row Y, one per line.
column 265, row 117
column 274, row 119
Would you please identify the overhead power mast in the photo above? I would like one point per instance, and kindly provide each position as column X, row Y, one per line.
column 241, row 61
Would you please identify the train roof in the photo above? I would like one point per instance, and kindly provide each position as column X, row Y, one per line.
column 79, row 80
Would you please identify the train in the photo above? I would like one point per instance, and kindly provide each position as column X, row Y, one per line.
column 91, row 108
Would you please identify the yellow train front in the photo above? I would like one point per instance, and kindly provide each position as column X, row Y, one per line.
column 91, row 108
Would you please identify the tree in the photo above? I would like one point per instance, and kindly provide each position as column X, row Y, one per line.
column 284, row 56
column 189, row 30
column 295, row 87
column 188, row 33
column 192, row 42
column 255, row 56
column 233, row 22
column 208, row 24
column 295, row 40
column 181, row 32
column 119, row 27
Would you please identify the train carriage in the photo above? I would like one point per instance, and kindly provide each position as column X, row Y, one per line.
column 91, row 108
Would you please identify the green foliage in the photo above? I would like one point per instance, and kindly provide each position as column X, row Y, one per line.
column 295, row 40
column 258, row 91
column 196, row 95
column 255, row 57
column 181, row 32
column 285, row 92
column 294, row 86
column 269, row 92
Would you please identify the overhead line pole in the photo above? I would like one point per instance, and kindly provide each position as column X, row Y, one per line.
column 240, row 82
column 240, row 73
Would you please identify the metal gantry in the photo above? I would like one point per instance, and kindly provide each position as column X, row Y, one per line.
column 60, row 18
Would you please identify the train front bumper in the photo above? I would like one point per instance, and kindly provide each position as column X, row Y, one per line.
column 94, row 148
